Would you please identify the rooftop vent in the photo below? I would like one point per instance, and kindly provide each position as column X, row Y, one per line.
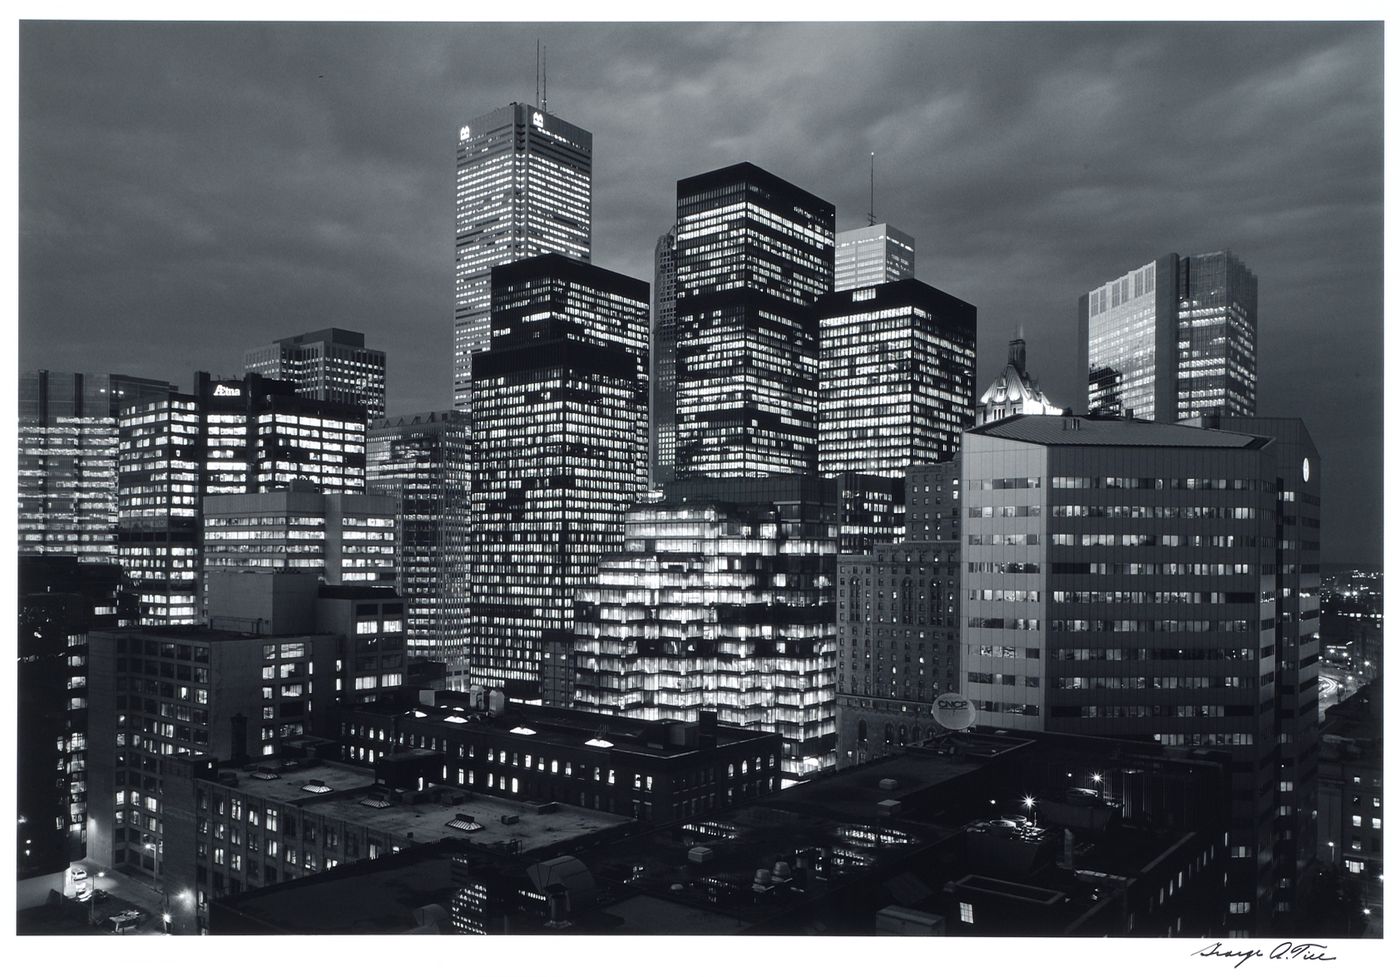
column 262, row 773
column 378, row 803
column 316, row 787
column 464, row 822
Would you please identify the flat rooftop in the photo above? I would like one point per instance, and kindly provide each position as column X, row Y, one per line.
column 427, row 821
column 1051, row 429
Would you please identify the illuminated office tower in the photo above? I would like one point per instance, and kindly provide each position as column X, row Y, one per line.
column 559, row 429
column 1013, row 391
column 753, row 252
column 345, row 539
column 524, row 187
column 1171, row 340
column 898, row 364
column 663, row 362
column 228, row 437
column 67, row 465
column 1122, row 578
column 722, row 597
column 873, row 255
column 423, row 462
column 1217, row 322
column 158, row 493
column 329, row 364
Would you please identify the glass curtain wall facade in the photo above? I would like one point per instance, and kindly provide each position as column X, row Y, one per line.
column 718, row 607
column 67, row 464
column 663, row 362
column 1217, row 317
column 329, row 364
column 423, row 462
column 559, row 432
column 1172, row 340
column 524, row 187
column 873, row 255
column 752, row 253
column 897, row 374
column 230, row 437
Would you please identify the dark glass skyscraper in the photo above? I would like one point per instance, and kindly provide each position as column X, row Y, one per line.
column 752, row 253
column 524, row 187
column 559, row 429
column 329, row 364
column 663, row 362
column 1171, row 340
column 898, row 364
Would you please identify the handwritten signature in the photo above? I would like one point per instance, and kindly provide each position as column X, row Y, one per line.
column 1286, row 950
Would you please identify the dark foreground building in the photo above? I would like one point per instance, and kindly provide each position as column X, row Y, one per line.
column 1119, row 839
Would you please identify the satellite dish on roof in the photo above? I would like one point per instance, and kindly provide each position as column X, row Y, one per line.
column 954, row 711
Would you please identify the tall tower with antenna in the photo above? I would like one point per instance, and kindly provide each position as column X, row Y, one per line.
column 875, row 253
column 524, row 187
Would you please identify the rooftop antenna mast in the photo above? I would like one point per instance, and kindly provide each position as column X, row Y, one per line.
column 544, row 105
column 537, row 71
column 871, row 215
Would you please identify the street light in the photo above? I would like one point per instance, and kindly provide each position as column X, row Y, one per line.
column 1332, row 848
column 1029, row 803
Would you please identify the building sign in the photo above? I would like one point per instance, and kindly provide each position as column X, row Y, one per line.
column 224, row 390
column 538, row 120
column 464, row 133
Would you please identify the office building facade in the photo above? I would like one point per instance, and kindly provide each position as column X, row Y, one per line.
column 524, row 187
column 228, row 437
column 721, row 597
column 663, row 361
column 752, row 253
column 898, row 364
column 328, row 364
column 897, row 635
column 873, row 255
column 1172, row 339
column 60, row 601
column 423, row 462
column 1121, row 579
column 67, row 463
column 343, row 539
column 559, row 452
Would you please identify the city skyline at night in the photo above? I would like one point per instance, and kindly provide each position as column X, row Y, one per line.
column 679, row 558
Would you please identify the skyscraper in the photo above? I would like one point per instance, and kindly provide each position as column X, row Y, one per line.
column 67, row 486
column 1171, row 340
column 559, row 433
column 329, row 364
column 721, row 596
column 873, row 255
column 898, row 364
column 1123, row 580
column 423, row 461
column 524, row 187
column 663, row 361
column 752, row 253
column 229, row 437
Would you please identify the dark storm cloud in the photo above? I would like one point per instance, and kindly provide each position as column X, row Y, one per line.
column 187, row 191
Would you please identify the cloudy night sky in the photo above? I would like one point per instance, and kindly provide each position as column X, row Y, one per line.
column 190, row 190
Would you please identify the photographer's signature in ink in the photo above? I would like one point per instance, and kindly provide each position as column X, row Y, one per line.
column 1287, row 950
